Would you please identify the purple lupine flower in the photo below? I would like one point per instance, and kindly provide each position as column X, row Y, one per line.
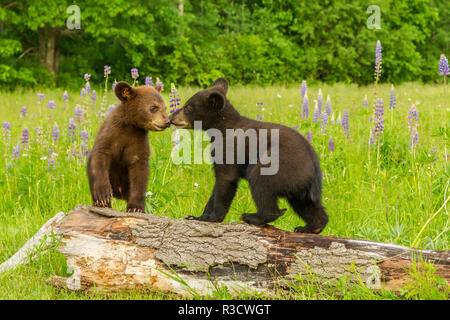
column 365, row 103
column 303, row 88
column 324, row 122
column 320, row 101
column 316, row 113
column 259, row 107
column 36, row 130
column 392, row 99
column 378, row 59
column 305, row 111
column 443, row 65
column 149, row 81
column 87, row 77
column 345, row 124
column 114, row 85
column 23, row 112
column 51, row 104
column 339, row 119
column 71, row 128
column 78, row 113
column 413, row 124
column 25, row 135
column 51, row 160
column 41, row 97
column 331, row 144
column 6, row 128
column 65, row 96
column 174, row 99
column 328, row 106
column 134, row 73
column 110, row 109
column 379, row 118
column 159, row 83
column 106, row 70
column 83, row 92
column 84, row 135
column 87, row 86
column 16, row 152
column 55, row 132
column 309, row 136
column 94, row 97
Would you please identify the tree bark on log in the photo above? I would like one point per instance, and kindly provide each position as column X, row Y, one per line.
column 120, row 251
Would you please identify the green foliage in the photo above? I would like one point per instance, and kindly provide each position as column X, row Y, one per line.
column 261, row 42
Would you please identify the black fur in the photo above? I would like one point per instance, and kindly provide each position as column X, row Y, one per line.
column 299, row 178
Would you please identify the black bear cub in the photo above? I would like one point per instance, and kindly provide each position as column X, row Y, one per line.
column 298, row 178
column 118, row 163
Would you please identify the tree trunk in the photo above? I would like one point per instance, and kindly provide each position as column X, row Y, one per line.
column 48, row 49
column 119, row 251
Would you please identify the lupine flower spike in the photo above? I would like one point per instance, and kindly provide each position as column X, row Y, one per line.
column 305, row 111
column 328, row 106
column 303, row 88
column 316, row 113
column 378, row 59
column 393, row 99
column 413, row 124
column 331, row 144
column 365, row 103
column 320, row 101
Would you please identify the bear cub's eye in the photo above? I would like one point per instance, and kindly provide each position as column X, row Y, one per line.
column 153, row 109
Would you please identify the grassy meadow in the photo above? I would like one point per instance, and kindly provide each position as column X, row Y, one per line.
column 386, row 191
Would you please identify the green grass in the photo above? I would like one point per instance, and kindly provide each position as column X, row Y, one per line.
column 386, row 195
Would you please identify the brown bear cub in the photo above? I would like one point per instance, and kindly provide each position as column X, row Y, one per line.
column 118, row 163
column 298, row 178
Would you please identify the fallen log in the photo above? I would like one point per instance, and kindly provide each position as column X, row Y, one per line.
column 121, row 251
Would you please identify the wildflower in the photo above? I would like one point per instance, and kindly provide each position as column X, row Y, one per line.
column 87, row 87
column 309, row 136
column 148, row 81
column 159, row 83
column 316, row 113
column 331, row 144
column 16, row 152
column 195, row 184
column 279, row 96
column 94, row 97
column 377, row 60
column 106, row 70
column 71, row 129
column 25, row 135
column 51, row 160
column 134, row 73
column 303, row 88
column 55, row 132
column 65, row 96
column 324, row 122
column 83, row 92
column 23, row 112
column 51, row 104
column 114, row 85
column 259, row 107
column 328, row 106
column 148, row 194
column 320, row 101
column 379, row 118
column 413, row 119
column 84, row 135
column 365, row 103
column 87, row 77
column 339, row 119
column 41, row 97
column 78, row 113
column 305, row 112
column 443, row 65
column 393, row 99
column 6, row 128
column 174, row 99
column 345, row 125
column 110, row 109
column 36, row 130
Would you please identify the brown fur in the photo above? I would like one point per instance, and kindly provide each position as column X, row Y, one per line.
column 118, row 163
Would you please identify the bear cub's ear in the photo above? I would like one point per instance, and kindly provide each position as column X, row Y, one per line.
column 216, row 100
column 124, row 91
column 221, row 84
